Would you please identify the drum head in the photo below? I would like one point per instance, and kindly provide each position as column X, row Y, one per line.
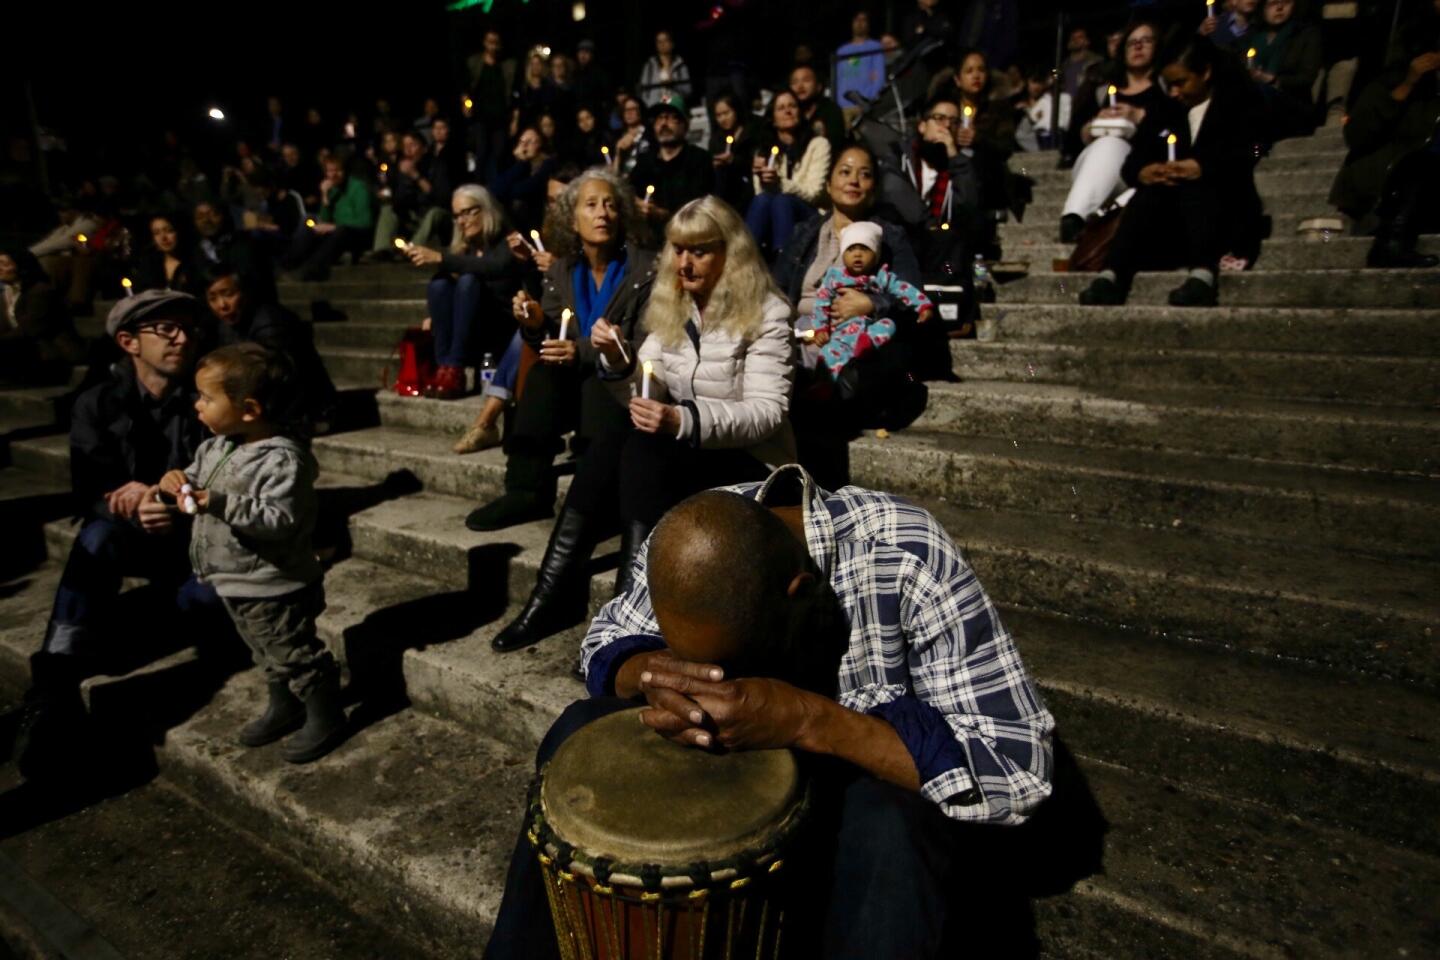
column 616, row 789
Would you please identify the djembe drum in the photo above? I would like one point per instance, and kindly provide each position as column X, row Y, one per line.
column 653, row 850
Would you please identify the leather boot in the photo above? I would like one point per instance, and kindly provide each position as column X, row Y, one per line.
column 324, row 728
column 529, row 487
column 283, row 714
column 632, row 538
column 558, row 598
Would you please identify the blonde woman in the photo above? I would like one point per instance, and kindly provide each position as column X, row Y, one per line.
column 468, row 297
column 718, row 348
column 788, row 174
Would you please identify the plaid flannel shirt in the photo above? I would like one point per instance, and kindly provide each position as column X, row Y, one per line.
column 927, row 651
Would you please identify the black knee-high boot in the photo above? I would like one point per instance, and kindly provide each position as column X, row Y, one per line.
column 560, row 593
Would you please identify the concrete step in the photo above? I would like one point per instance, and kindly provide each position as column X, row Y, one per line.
column 1345, row 332
column 375, row 452
column 1049, row 204
column 377, row 367
column 1273, row 288
column 1041, row 167
column 1044, row 229
column 1260, row 506
column 1390, row 381
column 1327, row 435
column 1338, row 253
column 34, row 405
column 1311, row 184
column 449, row 417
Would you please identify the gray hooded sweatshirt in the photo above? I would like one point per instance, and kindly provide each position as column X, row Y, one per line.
column 253, row 540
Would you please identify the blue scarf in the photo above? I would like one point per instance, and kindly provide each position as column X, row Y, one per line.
column 590, row 302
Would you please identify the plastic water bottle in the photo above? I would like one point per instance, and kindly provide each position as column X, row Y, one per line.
column 487, row 370
column 984, row 287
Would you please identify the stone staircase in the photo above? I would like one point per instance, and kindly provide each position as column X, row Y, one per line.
column 1211, row 532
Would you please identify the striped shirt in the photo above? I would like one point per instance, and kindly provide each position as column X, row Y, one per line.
column 926, row 650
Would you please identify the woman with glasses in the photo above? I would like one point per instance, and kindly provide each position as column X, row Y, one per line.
column 1107, row 123
column 468, row 296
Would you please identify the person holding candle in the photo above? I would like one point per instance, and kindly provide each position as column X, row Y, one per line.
column 1232, row 29
column 675, row 172
column 1288, row 58
column 1189, row 212
column 732, row 147
column 520, row 188
column 788, row 175
column 344, row 223
column 602, row 274
column 934, row 183
column 474, row 280
column 987, row 135
column 1106, row 126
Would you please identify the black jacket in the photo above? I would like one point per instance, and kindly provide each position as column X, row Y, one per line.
column 277, row 328
column 797, row 257
column 623, row 310
column 119, row 434
column 687, row 177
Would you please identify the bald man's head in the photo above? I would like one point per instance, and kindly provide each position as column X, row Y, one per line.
column 721, row 570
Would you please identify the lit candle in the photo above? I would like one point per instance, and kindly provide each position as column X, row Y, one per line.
column 806, row 334
column 129, row 287
column 966, row 114
column 1111, row 91
column 1209, row 8
column 81, row 238
column 615, row 335
column 310, row 223
column 536, row 242
column 649, row 192
column 400, row 243
column 774, row 152
column 1170, row 147
column 469, row 104
column 1250, row 58
column 564, row 322
column 605, row 152
column 384, row 168
column 945, row 226
column 647, row 369
column 729, row 141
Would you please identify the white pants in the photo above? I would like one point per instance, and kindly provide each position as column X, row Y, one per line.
column 1096, row 176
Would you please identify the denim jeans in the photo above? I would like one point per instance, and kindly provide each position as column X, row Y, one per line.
column 884, row 869
column 104, row 554
column 772, row 218
column 454, row 311
column 507, row 371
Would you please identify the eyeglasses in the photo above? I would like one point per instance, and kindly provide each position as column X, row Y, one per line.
column 167, row 329
column 467, row 213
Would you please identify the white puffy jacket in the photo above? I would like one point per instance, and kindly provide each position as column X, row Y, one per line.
column 732, row 393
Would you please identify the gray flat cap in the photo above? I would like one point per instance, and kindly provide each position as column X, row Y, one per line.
column 131, row 310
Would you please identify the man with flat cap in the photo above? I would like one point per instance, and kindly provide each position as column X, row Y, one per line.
column 678, row 170
column 849, row 627
column 125, row 433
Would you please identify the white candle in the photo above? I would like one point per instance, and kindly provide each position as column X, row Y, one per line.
column 965, row 116
column 649, row 192
column 1209, row 8
column 949, row 201
column 647, row 369
column 774, row 152
column 564, row 322
column 806, row 334
column 1170, row 147
column 129, row 287
column 399, row 243
column 729, row 141
column 605, row 152
column 535, row 241
column 187, row 502
column 615, row 335
column 1112, row 94
column 1250, row 58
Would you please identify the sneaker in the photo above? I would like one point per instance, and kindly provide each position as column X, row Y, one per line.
column 1194, row 293
column 1102, row 292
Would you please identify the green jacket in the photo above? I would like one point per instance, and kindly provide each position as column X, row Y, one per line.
column 349, row 205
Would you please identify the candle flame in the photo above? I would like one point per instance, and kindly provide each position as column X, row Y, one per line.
column 969, row 110
column 1251, row 53
column 1112, row 90
column 807, row 334
column 534, row 234
column 125, row 282
column 82, row 238
column 469, row 103
column 649, row 189
column 648, row 367
column 309, row 223
column 944, row 226
column 384, row 168
column 1171, row 139
column 565, row 315
column 774, row 151
column 399, row 243
column 605, row 150
column 729, row 140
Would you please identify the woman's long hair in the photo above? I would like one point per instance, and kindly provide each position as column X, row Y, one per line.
column 803, row 133
column 559, row 227
column 737, row 304
column 492, row 220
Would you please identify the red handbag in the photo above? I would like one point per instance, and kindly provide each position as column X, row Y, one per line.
column 417, row 362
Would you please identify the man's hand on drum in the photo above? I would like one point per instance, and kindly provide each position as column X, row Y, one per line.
column 690, row 704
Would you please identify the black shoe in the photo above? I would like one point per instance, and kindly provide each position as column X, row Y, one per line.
column 632, row 538
column 324, row 728
column 1071, row 226
column 1194, row 292
column 1392, row 257
column 909, row 403
column 283, row 715
column 559, row 598
column 1102, row 292
column 510, row 509
column 52, row 717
